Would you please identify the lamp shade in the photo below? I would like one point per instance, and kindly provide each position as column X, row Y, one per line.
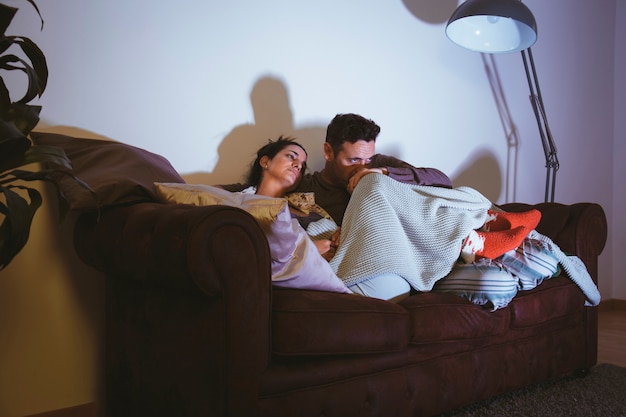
column 492, row 26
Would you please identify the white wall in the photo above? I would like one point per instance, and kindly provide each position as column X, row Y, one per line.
column 204, row 83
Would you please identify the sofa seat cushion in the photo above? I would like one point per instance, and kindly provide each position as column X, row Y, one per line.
column 306, row 322
column 555, row 298
column 442, row 317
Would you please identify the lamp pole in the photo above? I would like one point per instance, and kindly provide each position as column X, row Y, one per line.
column 549, row 147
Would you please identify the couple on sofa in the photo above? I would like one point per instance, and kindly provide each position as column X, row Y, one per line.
column 403, row 227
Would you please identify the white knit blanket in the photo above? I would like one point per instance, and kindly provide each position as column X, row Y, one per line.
column 414, row 231
column 574, row 268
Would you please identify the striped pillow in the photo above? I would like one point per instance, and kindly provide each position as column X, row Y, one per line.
column 531, row 263
column 483, row 282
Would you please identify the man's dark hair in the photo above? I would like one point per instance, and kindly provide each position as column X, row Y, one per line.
column 350, row 127
column 270, row 150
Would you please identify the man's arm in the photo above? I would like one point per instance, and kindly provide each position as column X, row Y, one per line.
column 407, row 173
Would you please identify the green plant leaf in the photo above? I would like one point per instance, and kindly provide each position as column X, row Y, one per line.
column 7, row 63
column 38, row 61
column 50, row 155
column 23, row 175
column 17, row 119
column 5, row 100
column 32, row 2
column 6, row 16
column 18, row 217
column 7, row 13
column 36, row 67
column 53, row 157
column 12, row 151
column 9, row 132
column 5, row 43
column 52, row 176
column 25, row 117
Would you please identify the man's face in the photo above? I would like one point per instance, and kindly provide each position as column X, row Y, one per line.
column 351, row 158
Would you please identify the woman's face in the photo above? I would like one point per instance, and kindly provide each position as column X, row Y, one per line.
column 286, row 167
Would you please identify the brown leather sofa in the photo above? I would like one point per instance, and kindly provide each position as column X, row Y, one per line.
column 195, row 328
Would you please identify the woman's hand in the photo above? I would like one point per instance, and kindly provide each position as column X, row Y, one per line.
column 325, row 248
column 328, row 247
column 334, row 239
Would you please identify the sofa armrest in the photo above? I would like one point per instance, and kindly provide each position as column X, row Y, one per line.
column 189, row 288
column 175, row 246
column 579, row 229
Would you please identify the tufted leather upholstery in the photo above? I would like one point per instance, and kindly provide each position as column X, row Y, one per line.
column 194, row 327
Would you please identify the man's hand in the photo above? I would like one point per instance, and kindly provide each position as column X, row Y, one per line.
column 354, row 180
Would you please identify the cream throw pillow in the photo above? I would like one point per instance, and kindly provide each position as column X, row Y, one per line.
column 264, row 209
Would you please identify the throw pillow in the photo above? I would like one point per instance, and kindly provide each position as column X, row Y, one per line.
column 531, row 263
column 296, row 263
column 483, row 282
column 264, row 209
column 118, row 173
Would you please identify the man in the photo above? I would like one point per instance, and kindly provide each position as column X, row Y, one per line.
column 350, row 153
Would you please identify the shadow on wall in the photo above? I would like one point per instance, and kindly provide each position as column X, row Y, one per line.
column 509, row 128
column 482, row 172
column 272, row 117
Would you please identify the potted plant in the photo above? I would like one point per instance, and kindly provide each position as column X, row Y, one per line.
column 18, row 201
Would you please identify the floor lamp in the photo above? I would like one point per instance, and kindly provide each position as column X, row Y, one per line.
column 504, row 26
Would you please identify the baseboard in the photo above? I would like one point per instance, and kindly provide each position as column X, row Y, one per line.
column 84, row 410
column 612, row 304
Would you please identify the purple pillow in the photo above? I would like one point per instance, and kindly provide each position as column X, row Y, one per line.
column 296, row 263
column 118, row 173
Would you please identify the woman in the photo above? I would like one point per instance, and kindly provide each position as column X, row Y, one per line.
column 277, row 170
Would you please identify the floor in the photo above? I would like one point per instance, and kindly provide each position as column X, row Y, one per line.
column 612, row 335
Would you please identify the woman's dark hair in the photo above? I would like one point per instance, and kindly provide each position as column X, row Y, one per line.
column 350, row 127
column 270, row 150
